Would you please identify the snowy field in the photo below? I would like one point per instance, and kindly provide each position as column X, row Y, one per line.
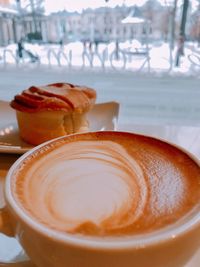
column 73, row 55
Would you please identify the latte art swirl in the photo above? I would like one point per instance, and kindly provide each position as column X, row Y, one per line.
column 87, row 182
column 103, row 188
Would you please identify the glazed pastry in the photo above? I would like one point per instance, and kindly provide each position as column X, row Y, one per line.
column 54, row 110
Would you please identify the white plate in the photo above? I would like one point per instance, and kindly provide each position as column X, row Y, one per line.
column 102, row 117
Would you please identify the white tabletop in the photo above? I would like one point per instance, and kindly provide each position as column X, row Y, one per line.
column 184, row 136
column 187, row 137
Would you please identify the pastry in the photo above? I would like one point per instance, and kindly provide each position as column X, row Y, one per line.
column 53, row 110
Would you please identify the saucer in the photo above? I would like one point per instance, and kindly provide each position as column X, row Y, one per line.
column 103, row 116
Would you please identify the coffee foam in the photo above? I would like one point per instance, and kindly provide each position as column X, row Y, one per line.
column 112, row 186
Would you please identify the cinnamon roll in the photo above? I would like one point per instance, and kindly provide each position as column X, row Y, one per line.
column 53, row 110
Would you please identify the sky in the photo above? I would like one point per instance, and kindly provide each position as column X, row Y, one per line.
column 79, row 5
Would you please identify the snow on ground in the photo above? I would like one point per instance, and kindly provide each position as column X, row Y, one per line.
column 159, row 56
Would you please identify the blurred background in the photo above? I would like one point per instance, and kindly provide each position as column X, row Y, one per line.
column 148, row 50
column 122, row 34
column 144, row 54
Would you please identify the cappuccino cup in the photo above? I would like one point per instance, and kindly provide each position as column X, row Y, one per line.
column 104, row 199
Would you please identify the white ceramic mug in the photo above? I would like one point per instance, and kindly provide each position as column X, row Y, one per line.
column 169, row 248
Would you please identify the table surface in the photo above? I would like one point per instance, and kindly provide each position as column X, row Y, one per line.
column 187, row 137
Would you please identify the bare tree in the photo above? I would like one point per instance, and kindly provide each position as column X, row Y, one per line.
column 150, row 9
column 164, row 23
column 181, row 40
column 173, row 23
column 34, row 8
column 195, row 25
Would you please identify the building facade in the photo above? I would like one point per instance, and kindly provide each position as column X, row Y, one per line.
column 100, row 25
column 7, row 25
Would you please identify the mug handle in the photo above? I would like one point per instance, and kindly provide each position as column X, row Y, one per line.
column 5, row 224
column 6, row 228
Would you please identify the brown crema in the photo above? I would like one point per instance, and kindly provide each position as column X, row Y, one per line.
column 107, row 184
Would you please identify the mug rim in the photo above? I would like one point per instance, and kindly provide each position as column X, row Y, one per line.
column 155, row 237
